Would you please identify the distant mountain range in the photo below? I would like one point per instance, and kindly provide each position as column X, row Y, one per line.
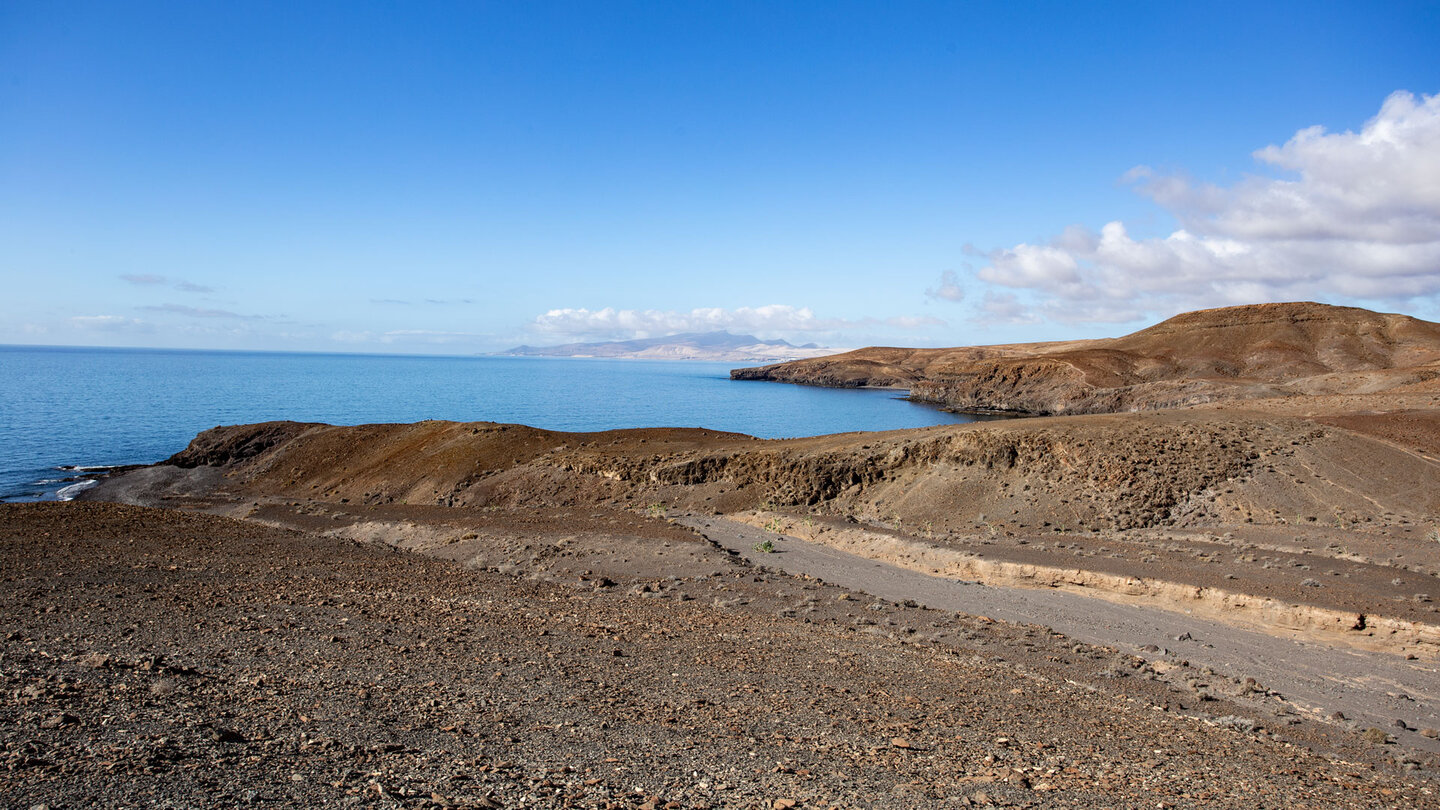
column 719, row 347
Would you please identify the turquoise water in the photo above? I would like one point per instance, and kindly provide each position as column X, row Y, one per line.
column 63, row 408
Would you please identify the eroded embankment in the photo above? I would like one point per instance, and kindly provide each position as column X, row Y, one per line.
column 1113, row 473
column 1366, row 631
column 1097, row 473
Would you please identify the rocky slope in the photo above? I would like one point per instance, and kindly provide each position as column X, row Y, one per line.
column 1264, row 350
column 1263, row 502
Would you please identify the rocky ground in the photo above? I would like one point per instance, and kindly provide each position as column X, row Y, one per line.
column 1245, row 589
column 160, row 658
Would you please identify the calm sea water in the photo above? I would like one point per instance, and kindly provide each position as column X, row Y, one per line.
column 68, row 408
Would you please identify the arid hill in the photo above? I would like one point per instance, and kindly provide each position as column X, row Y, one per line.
column 1342, row 490
column 1265, row 350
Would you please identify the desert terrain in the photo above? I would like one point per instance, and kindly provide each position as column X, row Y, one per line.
column 1202, row 575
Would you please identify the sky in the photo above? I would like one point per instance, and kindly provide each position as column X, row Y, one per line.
column 453, row 178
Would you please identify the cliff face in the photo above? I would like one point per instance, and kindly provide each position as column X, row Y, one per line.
column 1217, row 354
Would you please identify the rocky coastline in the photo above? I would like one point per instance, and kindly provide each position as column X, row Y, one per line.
column 1217, row 592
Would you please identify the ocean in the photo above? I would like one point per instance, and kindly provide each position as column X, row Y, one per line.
column 67, row 411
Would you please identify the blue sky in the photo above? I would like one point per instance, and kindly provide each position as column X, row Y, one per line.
column 462, row 177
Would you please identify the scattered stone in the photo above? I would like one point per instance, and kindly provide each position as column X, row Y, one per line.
column 60, row 720
column 225, row 735
column 96, row 661
column 1375, row 735
column 982, row 715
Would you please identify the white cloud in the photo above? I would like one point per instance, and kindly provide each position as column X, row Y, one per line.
column 619, row 324
column 949, row 288
column 1358, row 215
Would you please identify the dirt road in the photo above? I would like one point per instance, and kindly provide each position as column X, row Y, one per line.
column 1368, row 688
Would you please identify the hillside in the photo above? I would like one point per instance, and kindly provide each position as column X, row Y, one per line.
column 1264, row 350
column 1304, row 521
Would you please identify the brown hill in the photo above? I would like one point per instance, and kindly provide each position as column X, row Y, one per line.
column 1264, row 350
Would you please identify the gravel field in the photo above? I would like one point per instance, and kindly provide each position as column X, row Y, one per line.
column 165, row 659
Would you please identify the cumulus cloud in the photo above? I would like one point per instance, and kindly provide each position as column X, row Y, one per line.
column 1354, row 214
column 617, row 324
column 948, row 289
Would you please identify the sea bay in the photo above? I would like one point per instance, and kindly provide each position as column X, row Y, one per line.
column 69, row 407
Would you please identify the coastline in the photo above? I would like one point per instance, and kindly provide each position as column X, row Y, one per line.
column 1251, row 574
